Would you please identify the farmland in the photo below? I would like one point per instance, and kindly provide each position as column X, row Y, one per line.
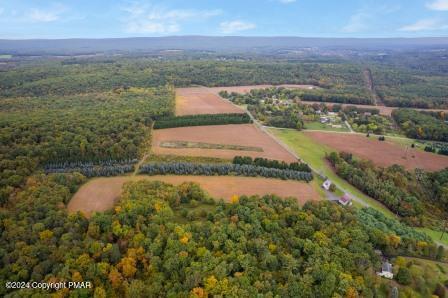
column 381, row 153
column 101, row 194
column 193, row 101
column 225, row 135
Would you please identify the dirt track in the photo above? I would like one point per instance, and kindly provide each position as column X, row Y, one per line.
column 234, row 134
column 101, row 194
column 381, row 153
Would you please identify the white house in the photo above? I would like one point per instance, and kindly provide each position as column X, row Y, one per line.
column 386, row 271
column 326, row 185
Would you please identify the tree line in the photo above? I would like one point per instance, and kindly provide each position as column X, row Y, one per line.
column 271, row 163
column 91, row 169
column 183, row 168
column 198, row 120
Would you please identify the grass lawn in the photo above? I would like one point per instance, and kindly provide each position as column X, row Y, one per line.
column 435, row 235
column 314, row 154
column 316, row 125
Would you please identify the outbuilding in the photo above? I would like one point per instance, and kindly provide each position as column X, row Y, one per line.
column 345, row 200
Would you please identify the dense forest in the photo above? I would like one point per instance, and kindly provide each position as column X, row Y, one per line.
column 162, row 240
column 419, row 125
column 417, row 197
column 92, row 127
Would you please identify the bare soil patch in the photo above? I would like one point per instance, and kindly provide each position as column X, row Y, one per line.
column 381, row 153
column 200, row 100
column 234, row 134
column 100, row 194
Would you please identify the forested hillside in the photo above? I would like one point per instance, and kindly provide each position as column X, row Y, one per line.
column 148, row 246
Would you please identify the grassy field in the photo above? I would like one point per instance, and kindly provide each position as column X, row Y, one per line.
column 314, row 154
column 316, row 125
column 4, row 56
column 435, row 235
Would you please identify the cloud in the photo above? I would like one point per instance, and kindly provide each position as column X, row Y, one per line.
column 438, row 5
column 46, row 15
column 235, row 26
column 286, row 1
column 425, row 25
column 357, row 22
column 368, row 18
column 145, row 18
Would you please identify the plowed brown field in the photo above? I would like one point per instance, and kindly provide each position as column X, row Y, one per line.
column 200, row 100
column 101, row 194
column 234, row 134
column 381, row 153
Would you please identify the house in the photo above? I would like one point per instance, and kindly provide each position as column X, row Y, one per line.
column 326, row 185
column 324, row 120
column 386, row 271
column 345, row 200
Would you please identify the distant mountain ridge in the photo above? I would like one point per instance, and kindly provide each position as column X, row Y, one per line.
column 211, row 43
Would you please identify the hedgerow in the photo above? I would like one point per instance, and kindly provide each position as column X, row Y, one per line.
column 198, row 120
column 270, row 163
column 181, row 168
column 91, row 169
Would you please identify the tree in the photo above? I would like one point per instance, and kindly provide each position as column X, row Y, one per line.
column 404, row 276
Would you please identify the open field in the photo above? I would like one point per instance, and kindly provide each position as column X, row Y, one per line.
column 246, row 89
column 235, row 134
column 381, row 153
column 100, row 194
column 316, row 125
column 200, row 100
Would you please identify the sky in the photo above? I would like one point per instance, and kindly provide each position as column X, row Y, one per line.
column 25, row 19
